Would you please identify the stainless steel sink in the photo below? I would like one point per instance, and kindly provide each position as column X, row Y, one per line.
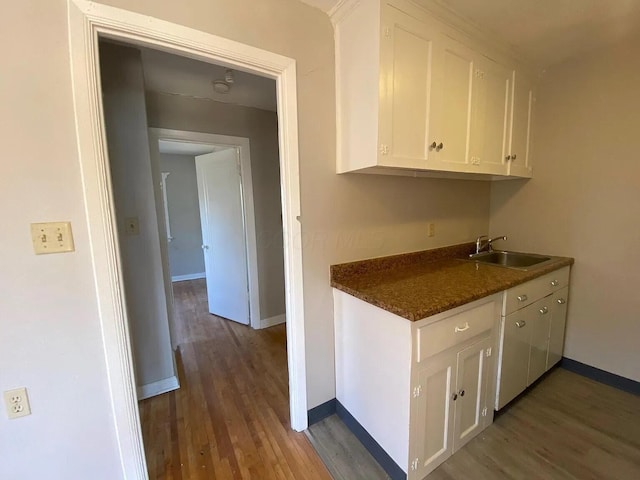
column 517, row 260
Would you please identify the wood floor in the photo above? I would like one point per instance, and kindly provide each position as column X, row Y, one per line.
column 566, row 428
column 230, row 418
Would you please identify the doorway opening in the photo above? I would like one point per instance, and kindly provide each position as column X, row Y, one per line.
column 211, row 221
column 87, row 23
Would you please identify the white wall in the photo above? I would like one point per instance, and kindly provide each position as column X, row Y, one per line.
column 185, row 250
column 134, row 197
column 261, row 127
column 51, row 337
column 584, row 201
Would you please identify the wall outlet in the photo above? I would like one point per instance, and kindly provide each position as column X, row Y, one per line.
column 17, row 403
column 52, row 237
column 431, row 230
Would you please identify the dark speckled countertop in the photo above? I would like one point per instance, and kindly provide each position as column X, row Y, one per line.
column 418, row 285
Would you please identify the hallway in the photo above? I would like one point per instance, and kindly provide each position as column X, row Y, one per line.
column 230, row 418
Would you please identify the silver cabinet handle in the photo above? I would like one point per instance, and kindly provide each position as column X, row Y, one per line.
column 440, row 146
column 205, row 247
column 520, row 323
column 522, row 298
column 433, row 145
column 513, row 157
column 463, row 328
column 454, row 397
column 555, row 283
column 508, row 157
column 562, row 301
column 461, row 393
column 544, row 311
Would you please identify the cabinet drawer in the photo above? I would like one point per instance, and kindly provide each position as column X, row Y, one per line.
column 527, row 293
column 439, row 336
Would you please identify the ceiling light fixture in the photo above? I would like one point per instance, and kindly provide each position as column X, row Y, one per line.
column 224, row 86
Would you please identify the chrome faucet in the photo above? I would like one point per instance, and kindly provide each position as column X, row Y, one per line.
column 486, row 245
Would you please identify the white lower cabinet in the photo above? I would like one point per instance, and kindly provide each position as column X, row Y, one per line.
column 531, row 337
column 448, row 406
column 421, row 389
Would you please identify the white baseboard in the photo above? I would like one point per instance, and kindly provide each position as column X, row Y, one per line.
column 190, row 276
column 157, row 388
column 271, row 321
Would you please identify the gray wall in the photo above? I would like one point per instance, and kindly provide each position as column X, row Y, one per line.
column 584, row 201
column 261, row 127
column 185, row 250
column 134, row 195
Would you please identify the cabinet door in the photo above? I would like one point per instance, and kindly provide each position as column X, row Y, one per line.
column 490, row 118
column 451, row 113
column 557, row 328
column 473, row 367
column 521, row 121
column 431, row 427
column 514, row 355
column 539, row 338
column 406, row 66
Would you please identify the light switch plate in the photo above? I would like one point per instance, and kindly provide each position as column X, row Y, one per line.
column 52, row 237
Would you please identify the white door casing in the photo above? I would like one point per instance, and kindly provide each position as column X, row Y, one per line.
column 87, row 22
column 223, row 234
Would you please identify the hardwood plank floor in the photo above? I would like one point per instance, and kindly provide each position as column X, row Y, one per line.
column 567, row 427
column 230, row 418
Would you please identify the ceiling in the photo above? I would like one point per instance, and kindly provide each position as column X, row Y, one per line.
column 175, row 147
column 172, row 74
column 545, row 31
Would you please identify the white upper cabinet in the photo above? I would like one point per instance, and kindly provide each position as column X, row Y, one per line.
column 414, row 97
column 406, row 75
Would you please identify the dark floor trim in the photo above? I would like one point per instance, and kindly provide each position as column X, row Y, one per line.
column 602, row 376
column 321, row 412
column 376, row 451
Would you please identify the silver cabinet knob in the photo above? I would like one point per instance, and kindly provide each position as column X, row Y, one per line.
column 562, row 301
column 454, row 397
column 520, row 323
column 205, row 247
column 440, row 146
column 513, row 157
column 555, row 283
column 461, row 393
column 543, row 311
column 522, row 298
column 508, row 157
column 433, row 145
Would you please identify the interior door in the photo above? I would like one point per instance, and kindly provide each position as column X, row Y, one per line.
column 223, row 234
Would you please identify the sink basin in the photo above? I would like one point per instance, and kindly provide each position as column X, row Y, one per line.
column 520, row 261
